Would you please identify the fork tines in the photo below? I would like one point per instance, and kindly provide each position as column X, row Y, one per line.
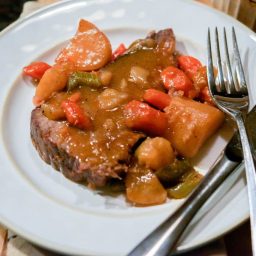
column 228, row 82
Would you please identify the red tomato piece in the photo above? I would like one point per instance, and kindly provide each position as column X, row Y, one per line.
column 157, row 98
column 36, row 69
column 176, row 79
column 75, row 115
column 189, row 65
column 140, row 116
column 119, row 51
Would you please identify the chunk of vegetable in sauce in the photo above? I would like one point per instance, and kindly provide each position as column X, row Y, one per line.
column 36, row 69
column 111, row 98
column 175, row 79
column 88, row 50
column 105, row 77
column 53, row 80
column 190, row 124
column 75, row 115
column 138, row 75
column 143, row 188
column 155, row 153
column 52, row 108
column 120, row 50
column 172, row 173
column 206, row 97
column 79, row 78
column 200, row 79
column 157, row 98
column 189, row 181
column 189, row 65
column 141, row 117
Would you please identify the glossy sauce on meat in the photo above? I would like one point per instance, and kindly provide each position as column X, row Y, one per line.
column 113, row 125
column 110, row 141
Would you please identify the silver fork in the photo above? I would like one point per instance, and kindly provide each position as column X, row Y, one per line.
column 230, row 94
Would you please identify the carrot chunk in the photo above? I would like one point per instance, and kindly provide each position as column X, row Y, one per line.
column 174, row 78
column 120, row 50
column 140, row 116
column 157, row 98
column 75, row 115
column 36, row 69
column 205, row 96
column 189, row 65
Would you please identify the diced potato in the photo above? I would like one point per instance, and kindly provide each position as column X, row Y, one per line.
column 143, row 188
column 155, row 153
column 190, row 124
column 183, row 189
column 123, row 85
column 53, row 80
column 105, row 77
column 138, row 75
column 109, row 125
column 88, row 50
column 111, row 98
column 52, row 108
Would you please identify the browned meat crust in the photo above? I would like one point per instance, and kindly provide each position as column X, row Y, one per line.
column 46, row 137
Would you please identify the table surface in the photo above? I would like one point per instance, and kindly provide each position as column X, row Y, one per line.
column 236, row 242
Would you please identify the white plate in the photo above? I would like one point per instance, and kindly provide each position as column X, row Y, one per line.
column 49, row 210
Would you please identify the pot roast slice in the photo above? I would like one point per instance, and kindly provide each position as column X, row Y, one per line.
column 97, row 156
column 50, row 139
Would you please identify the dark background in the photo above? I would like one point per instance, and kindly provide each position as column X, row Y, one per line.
column 9, row 11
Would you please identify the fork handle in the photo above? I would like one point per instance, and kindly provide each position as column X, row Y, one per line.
column 250, row 176
column 164, row 238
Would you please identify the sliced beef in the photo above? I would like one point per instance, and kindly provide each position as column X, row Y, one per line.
column 49, row 138
column 105, row 152
column 165, row 40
